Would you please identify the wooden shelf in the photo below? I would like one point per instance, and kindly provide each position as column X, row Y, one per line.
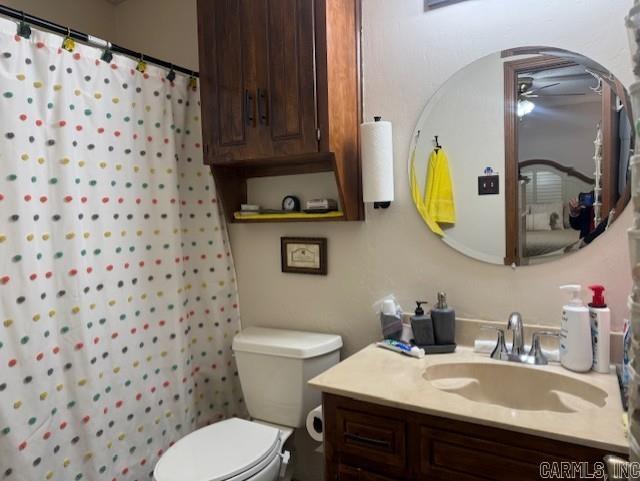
column 294, row 217
column 231, row 180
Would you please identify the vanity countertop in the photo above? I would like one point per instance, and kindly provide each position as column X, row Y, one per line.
column 391, row 379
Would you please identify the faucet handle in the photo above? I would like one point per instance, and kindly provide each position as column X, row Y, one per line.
column 500, row 351
column 536, row 356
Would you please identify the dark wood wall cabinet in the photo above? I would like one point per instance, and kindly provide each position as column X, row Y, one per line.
column 368, row 442
column 281, row 94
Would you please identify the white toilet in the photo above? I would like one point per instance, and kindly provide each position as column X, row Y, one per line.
column 274, row 366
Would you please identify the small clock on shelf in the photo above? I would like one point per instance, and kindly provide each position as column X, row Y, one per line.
column 291, row 203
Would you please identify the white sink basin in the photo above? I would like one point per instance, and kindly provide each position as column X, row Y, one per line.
column 515, row 386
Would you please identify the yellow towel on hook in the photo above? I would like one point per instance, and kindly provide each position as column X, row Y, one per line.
column 417, row 198
column 437, row 204
column 438, row 196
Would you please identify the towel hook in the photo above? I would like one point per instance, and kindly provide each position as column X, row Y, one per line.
column 438, row 146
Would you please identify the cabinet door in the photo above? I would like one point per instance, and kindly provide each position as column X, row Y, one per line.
column 286, row 91
column 257, row 75
column 504, row 456
column 229, row 33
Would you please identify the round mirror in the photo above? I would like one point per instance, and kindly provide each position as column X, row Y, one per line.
column 523, row 156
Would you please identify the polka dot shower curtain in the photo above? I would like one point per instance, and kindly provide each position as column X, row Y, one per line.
column 118, row 301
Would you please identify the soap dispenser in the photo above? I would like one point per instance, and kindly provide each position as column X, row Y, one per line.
column 422, row 326
column 600, row 329
column 576, row 352
column 444, row 321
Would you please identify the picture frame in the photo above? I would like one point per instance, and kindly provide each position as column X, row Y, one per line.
column 304, row 255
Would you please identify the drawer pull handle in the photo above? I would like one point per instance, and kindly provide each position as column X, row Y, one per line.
column 370, row 441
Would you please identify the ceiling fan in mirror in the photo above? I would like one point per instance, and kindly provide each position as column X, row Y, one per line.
column 527, row 90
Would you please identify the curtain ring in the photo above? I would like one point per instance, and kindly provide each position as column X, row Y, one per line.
column 193, row 81
column 67, row 42
column 24, row 30
column 142, row 65
column 107, row 54
column 171, row 76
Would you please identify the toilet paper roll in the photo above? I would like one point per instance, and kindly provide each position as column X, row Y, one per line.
column 315, row 424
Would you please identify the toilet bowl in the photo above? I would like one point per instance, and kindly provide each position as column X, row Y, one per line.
column 274, row 366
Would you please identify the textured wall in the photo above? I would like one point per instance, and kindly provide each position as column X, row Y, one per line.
column 90, row 16
column 165, row 29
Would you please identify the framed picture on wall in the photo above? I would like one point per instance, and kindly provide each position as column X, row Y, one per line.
column 304, row 255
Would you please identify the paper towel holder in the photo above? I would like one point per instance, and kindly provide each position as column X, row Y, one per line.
column 387, row 204
column 380, row 204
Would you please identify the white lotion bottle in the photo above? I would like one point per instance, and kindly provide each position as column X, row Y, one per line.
column 600, row 316
column 576, row 351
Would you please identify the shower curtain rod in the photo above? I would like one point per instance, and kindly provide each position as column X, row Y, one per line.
column 90, row 39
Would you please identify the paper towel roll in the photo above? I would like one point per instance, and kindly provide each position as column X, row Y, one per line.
column 377, row 161
column 315, row 424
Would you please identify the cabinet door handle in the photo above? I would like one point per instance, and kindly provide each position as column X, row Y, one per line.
column 263, row 106
column 379, row 443
column 249, row 108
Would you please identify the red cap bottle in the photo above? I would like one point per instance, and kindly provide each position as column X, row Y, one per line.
column 598, row 297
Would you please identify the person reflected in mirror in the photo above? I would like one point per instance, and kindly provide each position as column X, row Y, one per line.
column 582, row 218
column 581, row 214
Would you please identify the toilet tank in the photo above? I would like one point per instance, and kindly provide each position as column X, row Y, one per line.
column 274, row 366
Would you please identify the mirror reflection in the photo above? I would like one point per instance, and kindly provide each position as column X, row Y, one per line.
column 522, row 157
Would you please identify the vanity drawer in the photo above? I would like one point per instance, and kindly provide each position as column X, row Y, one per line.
column 377, row 439
column 348, row 473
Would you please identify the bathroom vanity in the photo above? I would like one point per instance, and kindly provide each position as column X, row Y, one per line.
column 462, row 416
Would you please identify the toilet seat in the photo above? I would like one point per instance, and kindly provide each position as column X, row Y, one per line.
column 231, row 450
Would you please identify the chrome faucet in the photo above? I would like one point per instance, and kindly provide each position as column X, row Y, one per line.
column 515, row 324
column 517, row 352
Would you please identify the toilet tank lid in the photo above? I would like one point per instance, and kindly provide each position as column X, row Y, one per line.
column 285, row 343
